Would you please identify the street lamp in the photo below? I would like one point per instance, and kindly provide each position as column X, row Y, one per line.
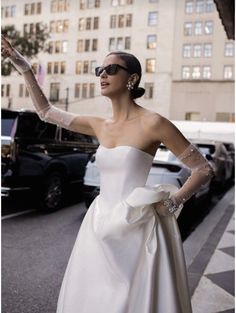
column 67, row 98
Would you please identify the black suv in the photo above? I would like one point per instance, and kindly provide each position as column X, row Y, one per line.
column 42, row 157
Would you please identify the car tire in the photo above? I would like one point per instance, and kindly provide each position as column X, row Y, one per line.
column 52, row 195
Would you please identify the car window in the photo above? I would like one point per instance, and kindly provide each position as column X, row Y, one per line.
column 7, row 126
column 31, row 126
column 68, row 135
column 205, row 150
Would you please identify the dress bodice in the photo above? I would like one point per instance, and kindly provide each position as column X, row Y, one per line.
column 122, row 169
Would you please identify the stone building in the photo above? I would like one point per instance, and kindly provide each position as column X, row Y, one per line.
column 187, row 60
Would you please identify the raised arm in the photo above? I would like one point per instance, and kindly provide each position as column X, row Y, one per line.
column 189, row 155
column 46, row 111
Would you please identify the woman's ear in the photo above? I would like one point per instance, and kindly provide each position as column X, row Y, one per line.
column 134, row 78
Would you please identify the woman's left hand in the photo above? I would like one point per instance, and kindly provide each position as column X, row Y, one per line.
column 162, row 210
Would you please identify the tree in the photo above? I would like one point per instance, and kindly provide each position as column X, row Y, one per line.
column 28, row 44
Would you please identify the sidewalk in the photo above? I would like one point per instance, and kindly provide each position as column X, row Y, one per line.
column 209, row 253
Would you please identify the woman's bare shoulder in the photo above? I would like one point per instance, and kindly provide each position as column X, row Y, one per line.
column 152, row 118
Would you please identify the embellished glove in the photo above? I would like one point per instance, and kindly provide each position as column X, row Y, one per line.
column 45, row 110
column 201, row 173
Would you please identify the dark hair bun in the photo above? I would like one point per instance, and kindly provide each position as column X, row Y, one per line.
column 137, row 92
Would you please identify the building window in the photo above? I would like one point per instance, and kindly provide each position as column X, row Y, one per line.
column 82, row 23
column 186, row 51
column 119, row 43
column 197, row 51
column 59, row 6
column 148, row 90
column 225, row 117
column 94, row 45
column 80, row 45
column 78, row 68
column 207, row 50
column 206, row 72
column 93, row 64
column 152, row 18
column 56, row 67
column 39, row 8
column 229, row 49
column 121, row 21
column 87, row 45
column 113, row 21
column 196, row 73
column 49, row 68
column 150, row 65
column 186, row 72
column 21, row 90
column 115, row 3
column 54, row 91
column 128, row 20
column 77, row 90
column 96, row 23
column 89, row 4
column 208, row 28
column 188, row 29
column 151, row 41
column 200, row 6
column 127, row 43
column 189, row 7
column 91, row 90
column 86, row 67
column 198, row 28
column 88, row 23
column 228, row 72
column 64, row 46
column 192, row 116
column 112, row 44
column 209, row 6
column 84, row 90
column 63, row 67
column 8, row 11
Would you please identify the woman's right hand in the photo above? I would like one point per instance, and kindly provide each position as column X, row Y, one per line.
column 6, row 47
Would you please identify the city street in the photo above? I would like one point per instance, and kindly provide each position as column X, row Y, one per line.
column 35, row 251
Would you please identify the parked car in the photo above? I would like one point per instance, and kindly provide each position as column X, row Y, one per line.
column 221, row 159
column 41, row 157
column 166, row 169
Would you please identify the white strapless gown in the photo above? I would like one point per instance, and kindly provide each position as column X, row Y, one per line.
column 126, row 258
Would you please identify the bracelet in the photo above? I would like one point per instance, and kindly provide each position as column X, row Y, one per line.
column 171, row 206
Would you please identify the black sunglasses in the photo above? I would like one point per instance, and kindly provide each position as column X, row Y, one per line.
column 110, row 69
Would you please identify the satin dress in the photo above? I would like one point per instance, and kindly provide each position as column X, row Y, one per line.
column 126, row 258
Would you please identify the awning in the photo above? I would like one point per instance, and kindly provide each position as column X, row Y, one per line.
column 226, row 14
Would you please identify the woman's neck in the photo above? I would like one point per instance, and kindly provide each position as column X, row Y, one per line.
column 124, row 110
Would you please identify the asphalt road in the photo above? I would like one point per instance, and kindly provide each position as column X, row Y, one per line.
column 35, row 252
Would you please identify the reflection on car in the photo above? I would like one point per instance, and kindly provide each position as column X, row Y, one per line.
column 41, row 157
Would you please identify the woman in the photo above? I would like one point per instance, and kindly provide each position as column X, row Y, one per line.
column 128, row 255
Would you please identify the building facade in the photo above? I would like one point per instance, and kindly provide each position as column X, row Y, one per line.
column 187, row 61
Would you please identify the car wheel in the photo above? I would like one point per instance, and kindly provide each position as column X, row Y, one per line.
column 52, row 194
